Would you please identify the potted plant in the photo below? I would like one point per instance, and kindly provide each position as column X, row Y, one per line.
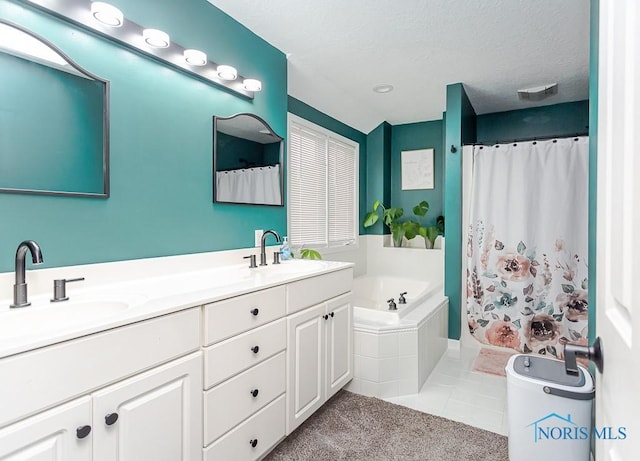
column 429, row 233
column 390, row 217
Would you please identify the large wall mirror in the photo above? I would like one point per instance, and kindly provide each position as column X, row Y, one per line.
column 247, row 161
column 54, row 121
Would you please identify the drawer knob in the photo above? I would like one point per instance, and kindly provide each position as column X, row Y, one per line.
column 83, row 431
column 325, row 316
column 255, row 311
column 255, row 349
column 111, row 419
column 255, row 392
column 253, row 443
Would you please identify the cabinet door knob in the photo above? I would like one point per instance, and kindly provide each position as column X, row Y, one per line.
column 255, row 349
column 325, row 316
column 255, row 311
column 253, row 443
column 111, row 419
column 83, row 431
column 331, row 314
column 255, row 392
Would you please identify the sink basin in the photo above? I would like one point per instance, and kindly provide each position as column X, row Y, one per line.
column 295, row 267
column 55, row 316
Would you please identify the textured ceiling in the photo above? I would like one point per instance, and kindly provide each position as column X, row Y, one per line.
column 338, row 50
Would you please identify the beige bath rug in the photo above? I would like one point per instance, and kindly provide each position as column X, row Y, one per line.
column 492, row 361
column 351, row 427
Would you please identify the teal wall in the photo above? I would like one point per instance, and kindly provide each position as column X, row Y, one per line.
column 460, row 128
column 412, row 136
column 555, row 120
column 307, row 112
column 593, row 162
column 161, row 143
column 378, row 176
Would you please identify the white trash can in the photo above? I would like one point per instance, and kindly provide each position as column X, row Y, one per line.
column 549, row 412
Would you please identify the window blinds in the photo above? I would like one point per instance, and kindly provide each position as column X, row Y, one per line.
column 322, row 188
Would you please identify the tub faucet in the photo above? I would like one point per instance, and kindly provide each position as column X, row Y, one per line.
column 402, row 299
column 392, row 305
column 263, row 251
column 20, row 287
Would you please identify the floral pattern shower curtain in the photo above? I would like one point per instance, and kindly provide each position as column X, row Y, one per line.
column 527, row 245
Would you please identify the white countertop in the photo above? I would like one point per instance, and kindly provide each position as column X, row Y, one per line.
column 125, row 302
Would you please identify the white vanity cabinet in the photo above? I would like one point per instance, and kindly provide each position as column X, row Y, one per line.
column 244, row 375
column 90, row 398
column 60, row 434
column 155, row 415
column 319, row 343
column 223, row 381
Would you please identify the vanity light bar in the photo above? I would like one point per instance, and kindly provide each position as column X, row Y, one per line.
column 108, row 21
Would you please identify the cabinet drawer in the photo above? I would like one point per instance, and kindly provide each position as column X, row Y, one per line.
column 231, row 402
column 314, row 290
column 225, row 359
column 228, row 318
column 266, row 428
column 60, row 372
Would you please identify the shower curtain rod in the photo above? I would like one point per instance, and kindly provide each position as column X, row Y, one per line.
column 537, row 138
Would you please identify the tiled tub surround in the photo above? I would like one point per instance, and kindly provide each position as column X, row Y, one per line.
column 189, row 344
column 396, row 359
column 394, row 353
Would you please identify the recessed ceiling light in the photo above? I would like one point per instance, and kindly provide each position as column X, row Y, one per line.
column 195, row 57
column 107, row 14
column 156, row 38
column 383, row 88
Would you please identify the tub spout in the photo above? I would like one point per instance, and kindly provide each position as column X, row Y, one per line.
column 392, row 305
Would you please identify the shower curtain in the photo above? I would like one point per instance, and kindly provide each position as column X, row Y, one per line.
column 527, row 245
column 260, row 185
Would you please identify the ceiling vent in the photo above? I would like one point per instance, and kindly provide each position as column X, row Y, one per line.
column 538, row 93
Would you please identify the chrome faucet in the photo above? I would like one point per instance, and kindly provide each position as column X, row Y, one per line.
column 263, row 251
column 20, row 287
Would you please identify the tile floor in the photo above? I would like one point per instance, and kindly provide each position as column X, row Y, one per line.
column 455, row 392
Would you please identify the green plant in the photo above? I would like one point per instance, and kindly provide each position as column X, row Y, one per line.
column 308, row 253
column 390, row 218
column 429, row 233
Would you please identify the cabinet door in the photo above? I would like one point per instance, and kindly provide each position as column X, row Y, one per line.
column 156, row 415
column 339, row 340
column 60, row 434
column 305, row 369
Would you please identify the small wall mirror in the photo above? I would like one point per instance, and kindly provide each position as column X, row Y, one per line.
column 247, row 161
column 54, row 123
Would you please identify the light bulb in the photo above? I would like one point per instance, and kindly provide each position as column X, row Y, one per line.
column 251, row 84
column 156, row 38
column 227, row 72
column 195, row 57
column 107, row 14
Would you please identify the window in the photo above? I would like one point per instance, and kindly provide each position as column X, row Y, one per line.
column 322, row 186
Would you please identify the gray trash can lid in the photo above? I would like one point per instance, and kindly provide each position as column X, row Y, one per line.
column 547, row 370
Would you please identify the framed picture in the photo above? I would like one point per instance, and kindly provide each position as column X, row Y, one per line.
column 417, row 169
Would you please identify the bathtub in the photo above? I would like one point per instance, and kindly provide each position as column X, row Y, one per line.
column 371, row 295
column 395, row 351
